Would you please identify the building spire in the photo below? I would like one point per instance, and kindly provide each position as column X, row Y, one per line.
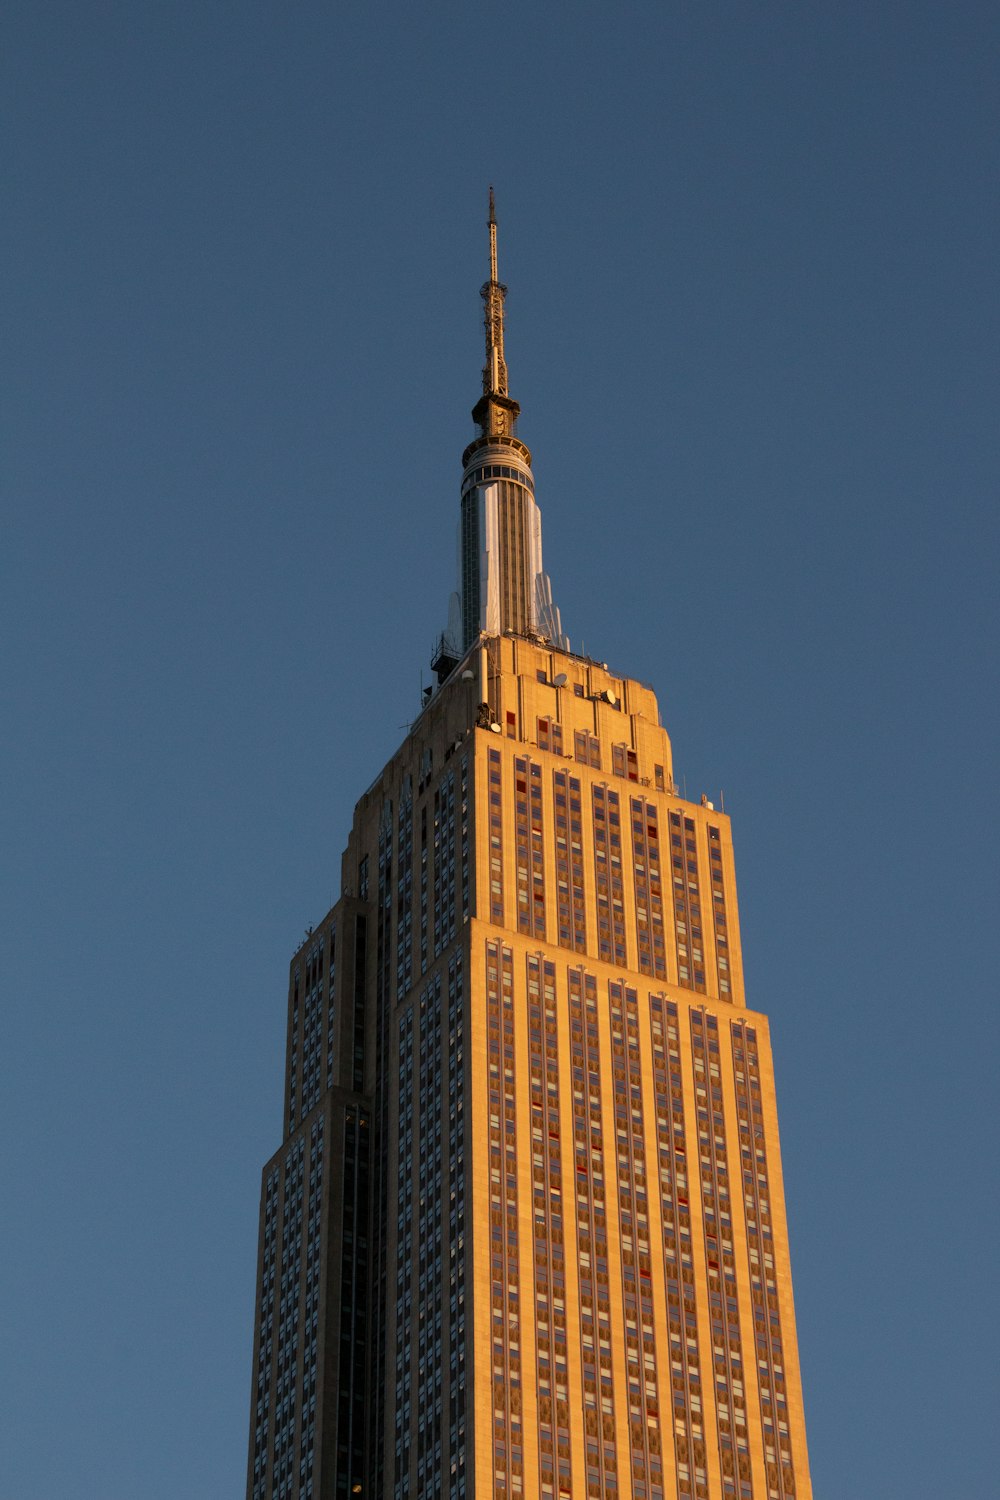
column 495, row 413
column 493, row 294
column 492, row 222
column 502, row 587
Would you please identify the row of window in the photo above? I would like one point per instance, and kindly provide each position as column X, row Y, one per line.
column 504, row 1252
column 384, row 999
column 720, row 1266
column 284, row 1389
column 660, row 1152
column 429, row 1291
column 529, row 846
column 592, row 1241
column 404, row 1253
column 548, row 1239
column 454, row 1046
column 633, row 1220
column 486, row 472
column 653, row 896
column 763, row 1279
column 311, row 1026
column 430, row 1237
column 675, row 1211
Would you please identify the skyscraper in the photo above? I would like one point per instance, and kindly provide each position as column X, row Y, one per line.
column 525, row 1232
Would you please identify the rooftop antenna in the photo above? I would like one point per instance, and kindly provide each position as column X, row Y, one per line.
column 492, row 222
column 493, row 293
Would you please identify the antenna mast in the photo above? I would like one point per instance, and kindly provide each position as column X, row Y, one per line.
column 493, row 293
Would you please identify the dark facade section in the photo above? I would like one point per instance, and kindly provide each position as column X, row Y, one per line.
column 308, row 1406
column 308, row 1398
column 347, row 1343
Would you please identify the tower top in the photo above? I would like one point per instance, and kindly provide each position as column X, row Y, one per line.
column 495, row 413
column 502, row 587
column 492, row 223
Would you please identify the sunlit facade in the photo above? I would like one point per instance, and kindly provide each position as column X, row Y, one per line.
column 525, row 1234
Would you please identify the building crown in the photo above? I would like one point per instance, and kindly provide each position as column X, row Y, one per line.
column 502, row 586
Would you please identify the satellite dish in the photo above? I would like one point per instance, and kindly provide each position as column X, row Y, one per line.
column 560, row 680
column 468, row 675
column 609, row 697
column 496, row 729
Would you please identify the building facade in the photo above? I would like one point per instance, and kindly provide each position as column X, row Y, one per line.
column 525, row 1233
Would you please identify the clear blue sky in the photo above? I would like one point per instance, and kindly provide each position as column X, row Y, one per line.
column 753, row 321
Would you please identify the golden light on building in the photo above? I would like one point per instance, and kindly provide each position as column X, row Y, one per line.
column 525, row 1234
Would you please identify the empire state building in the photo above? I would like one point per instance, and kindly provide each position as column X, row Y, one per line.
column 525, row 1234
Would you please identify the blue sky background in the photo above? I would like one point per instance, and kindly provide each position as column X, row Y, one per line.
column 753, row 324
